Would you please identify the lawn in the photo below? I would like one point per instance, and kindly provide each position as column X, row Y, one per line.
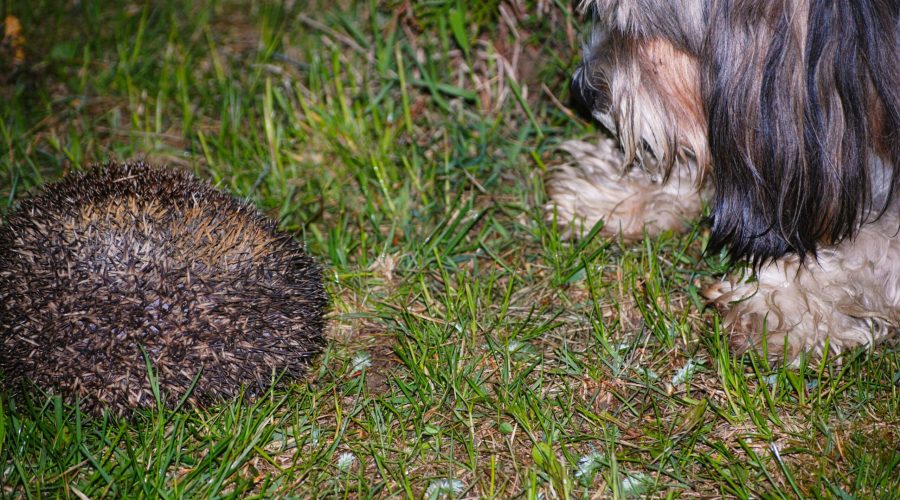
column 472, row 350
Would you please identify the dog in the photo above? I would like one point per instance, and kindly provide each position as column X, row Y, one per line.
column 784, row 117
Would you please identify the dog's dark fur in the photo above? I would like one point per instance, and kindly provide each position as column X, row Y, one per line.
column 797, row 170
column 790, row 107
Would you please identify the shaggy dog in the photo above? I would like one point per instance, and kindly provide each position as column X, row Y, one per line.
column 783, row 116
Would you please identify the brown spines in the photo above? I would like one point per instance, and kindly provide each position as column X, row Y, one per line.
column 127, row 259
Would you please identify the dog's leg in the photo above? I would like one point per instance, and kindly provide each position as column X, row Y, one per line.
column 596, row 185
column 847, row 297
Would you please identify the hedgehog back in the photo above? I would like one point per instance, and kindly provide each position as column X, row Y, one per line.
column 129, row 261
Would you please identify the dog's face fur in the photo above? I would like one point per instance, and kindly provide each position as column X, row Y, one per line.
column 792, row 107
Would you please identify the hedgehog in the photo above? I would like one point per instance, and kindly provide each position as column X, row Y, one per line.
column 127, row 273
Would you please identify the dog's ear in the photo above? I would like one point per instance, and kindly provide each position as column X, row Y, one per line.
column 803, row 105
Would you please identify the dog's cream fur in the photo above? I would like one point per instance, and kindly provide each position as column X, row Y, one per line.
column 596, row 185
column 657, row 177
column 848, row 296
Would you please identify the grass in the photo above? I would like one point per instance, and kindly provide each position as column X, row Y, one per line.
column 472, row 352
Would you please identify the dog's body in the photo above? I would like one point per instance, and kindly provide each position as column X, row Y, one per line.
column 784, row 116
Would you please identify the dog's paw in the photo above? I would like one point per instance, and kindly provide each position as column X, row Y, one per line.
column 596, row 186
column 749, row 320
column 788, row 310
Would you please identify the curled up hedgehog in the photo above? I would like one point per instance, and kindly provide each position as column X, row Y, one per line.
column 126, row 265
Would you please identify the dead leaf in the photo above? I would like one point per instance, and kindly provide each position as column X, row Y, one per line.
column 13, row 39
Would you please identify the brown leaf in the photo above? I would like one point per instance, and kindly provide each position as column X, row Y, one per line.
column 13, row 39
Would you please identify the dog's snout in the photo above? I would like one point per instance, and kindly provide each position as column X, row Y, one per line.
column 587, row 96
